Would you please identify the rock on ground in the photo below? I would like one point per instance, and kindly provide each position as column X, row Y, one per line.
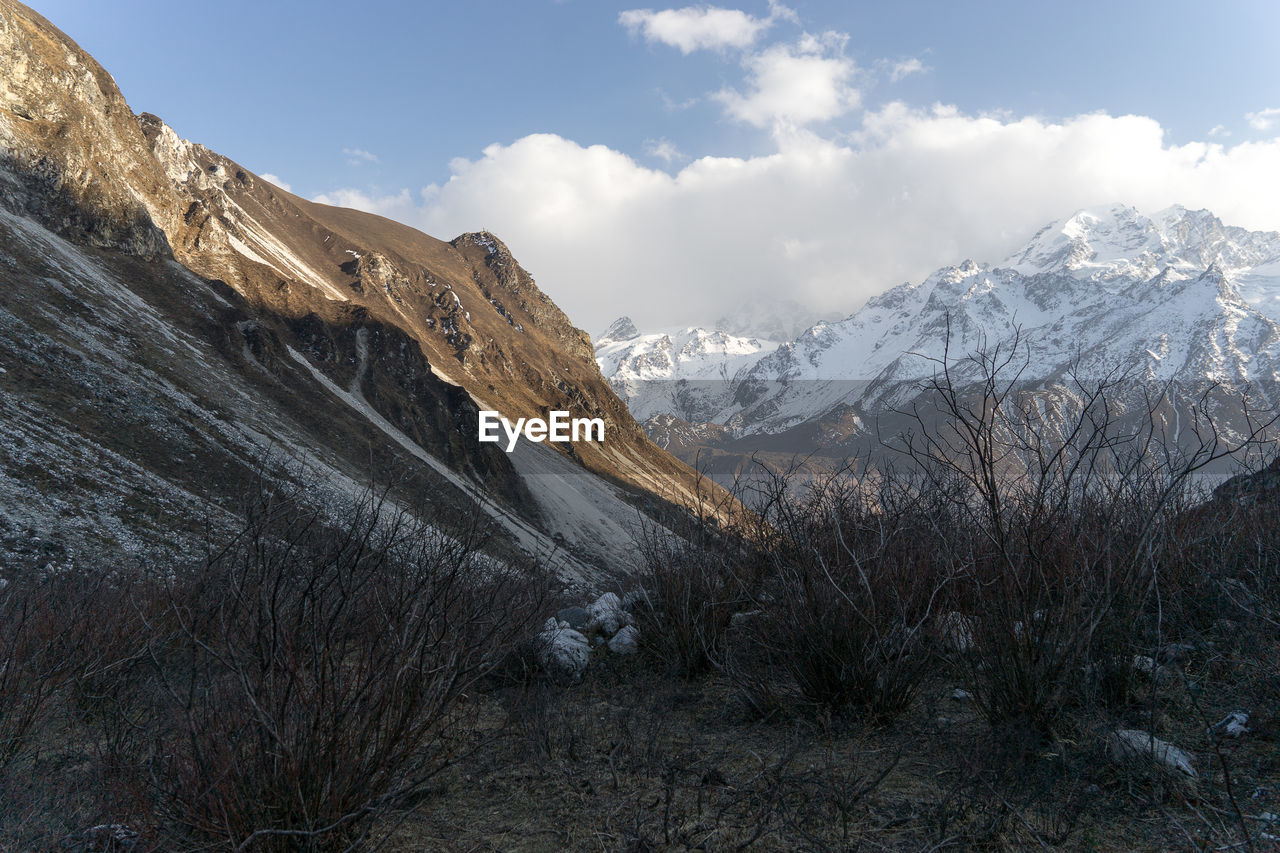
column 563, row 652
column 606, row 615
column 1134, row 747
column 1234, row 724
column 626, row 641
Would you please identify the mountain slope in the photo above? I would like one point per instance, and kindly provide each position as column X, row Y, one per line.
column 171, row 319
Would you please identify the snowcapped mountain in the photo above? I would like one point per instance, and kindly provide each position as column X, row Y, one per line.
column 1108, row 292
column 687, row 373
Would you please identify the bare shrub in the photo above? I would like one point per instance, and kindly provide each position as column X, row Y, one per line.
column 846, row 607
column 698, row 572
column 58, row 632
column 38, row 647
column 310, row 674
column 1062, row 513
column 1004, row 791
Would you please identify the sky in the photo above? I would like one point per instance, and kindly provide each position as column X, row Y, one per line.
column 675, row 163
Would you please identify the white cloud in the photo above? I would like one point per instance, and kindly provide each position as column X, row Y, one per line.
column 357, row 156
column 400, row 206
column 1219, row 130
column 673, row 106
column 906, row 68
column 799, row 83
column 1263, row 119
column 702, row 27
column 663, row 149
column 825, row 222
column 273, row 179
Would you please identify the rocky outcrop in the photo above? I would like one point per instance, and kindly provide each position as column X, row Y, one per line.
column 71, row 153
column 1260, row 487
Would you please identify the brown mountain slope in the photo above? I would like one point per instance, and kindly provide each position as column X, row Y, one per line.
column 338, row 322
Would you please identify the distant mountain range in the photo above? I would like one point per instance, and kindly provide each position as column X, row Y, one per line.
column 1176, row 296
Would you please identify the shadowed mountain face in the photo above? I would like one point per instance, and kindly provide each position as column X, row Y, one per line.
column 168, row 320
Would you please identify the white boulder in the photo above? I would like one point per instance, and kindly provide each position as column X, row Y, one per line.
column 563, row 652
column 1136, row 747
column 1234, row 724
column 606, row 616
column 626, row 641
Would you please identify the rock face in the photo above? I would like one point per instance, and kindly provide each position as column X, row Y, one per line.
column 72, row 153
column 169, row 319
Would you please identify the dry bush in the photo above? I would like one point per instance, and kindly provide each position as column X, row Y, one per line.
column 1062, row 515
column 1235, row 535
column 308, row 675
column 844, row 614
column 40, row 643
column 697, row 573
column 1004, row 791
column 58, row 633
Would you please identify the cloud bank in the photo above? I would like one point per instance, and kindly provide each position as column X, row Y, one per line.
column 825, row 222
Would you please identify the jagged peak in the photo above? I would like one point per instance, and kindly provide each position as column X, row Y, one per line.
column 91, row 179
column 486, row 240
column 1106, row 240
column 621, row 329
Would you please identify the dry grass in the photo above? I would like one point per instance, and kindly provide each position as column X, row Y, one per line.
column 635, row 760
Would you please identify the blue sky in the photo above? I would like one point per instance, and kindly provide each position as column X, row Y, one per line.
column 665, row 161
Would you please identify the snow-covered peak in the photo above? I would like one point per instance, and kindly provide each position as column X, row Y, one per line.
column 622, row 329
column 1095, row 240
column 653, row 371
column 683, row 353
column 1118, row 241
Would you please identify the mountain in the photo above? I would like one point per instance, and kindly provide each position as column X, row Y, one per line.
column 174, row 327
column 687, row 373
column 1173, row 297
